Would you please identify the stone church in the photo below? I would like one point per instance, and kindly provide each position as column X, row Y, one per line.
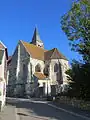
column 35, row 71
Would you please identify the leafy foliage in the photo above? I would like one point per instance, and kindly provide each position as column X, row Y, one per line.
column 76, row 25
column 80, row 74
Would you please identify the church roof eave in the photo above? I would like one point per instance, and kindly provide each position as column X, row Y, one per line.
column 42, row 54
column 54, row 54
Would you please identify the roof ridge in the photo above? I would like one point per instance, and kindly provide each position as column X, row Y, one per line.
column 3, row 44
column 52, row 53
column 32, row 44
column 62, row 55
column 40, row 53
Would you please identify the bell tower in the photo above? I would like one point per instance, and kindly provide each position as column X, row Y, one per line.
column 36, row 39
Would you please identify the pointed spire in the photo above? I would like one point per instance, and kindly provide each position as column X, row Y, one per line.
column 36, row 39
column 36, row 36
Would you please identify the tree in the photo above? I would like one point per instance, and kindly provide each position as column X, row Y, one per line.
column 80, row 76
column 76, row 25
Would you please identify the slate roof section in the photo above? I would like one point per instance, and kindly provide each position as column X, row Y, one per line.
column 36, row 36
column 40, row 75
column 42, row 54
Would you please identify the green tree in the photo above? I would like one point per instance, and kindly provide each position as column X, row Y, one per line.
column 79, row 74
column 76, row 25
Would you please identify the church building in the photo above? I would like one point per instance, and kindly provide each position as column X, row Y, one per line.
column 35, row 71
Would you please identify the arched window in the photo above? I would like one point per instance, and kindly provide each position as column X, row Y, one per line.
column 56, row 67
column 38, row 68
column 46, row 70
column 59, row 74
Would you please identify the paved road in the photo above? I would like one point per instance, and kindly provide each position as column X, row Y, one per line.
column 37, row 110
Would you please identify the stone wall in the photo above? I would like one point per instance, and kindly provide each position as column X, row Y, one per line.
column 20, row 73
column 3, row 82
column 2, row 65
column 34, row 62
column 62, row 76
column 17, row 80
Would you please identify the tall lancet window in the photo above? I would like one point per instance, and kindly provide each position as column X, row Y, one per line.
column 56, row 67
column 38, row 68
column 25, row 72
column 46, row 70
column 58, row 71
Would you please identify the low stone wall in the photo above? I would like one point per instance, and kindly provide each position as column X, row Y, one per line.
column 85, row 105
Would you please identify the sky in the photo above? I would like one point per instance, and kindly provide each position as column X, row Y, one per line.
column 18, row 19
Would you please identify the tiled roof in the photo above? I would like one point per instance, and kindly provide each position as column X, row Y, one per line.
column 40, row 75
column 34, row 51
column 53, row 54
column 42, row 54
